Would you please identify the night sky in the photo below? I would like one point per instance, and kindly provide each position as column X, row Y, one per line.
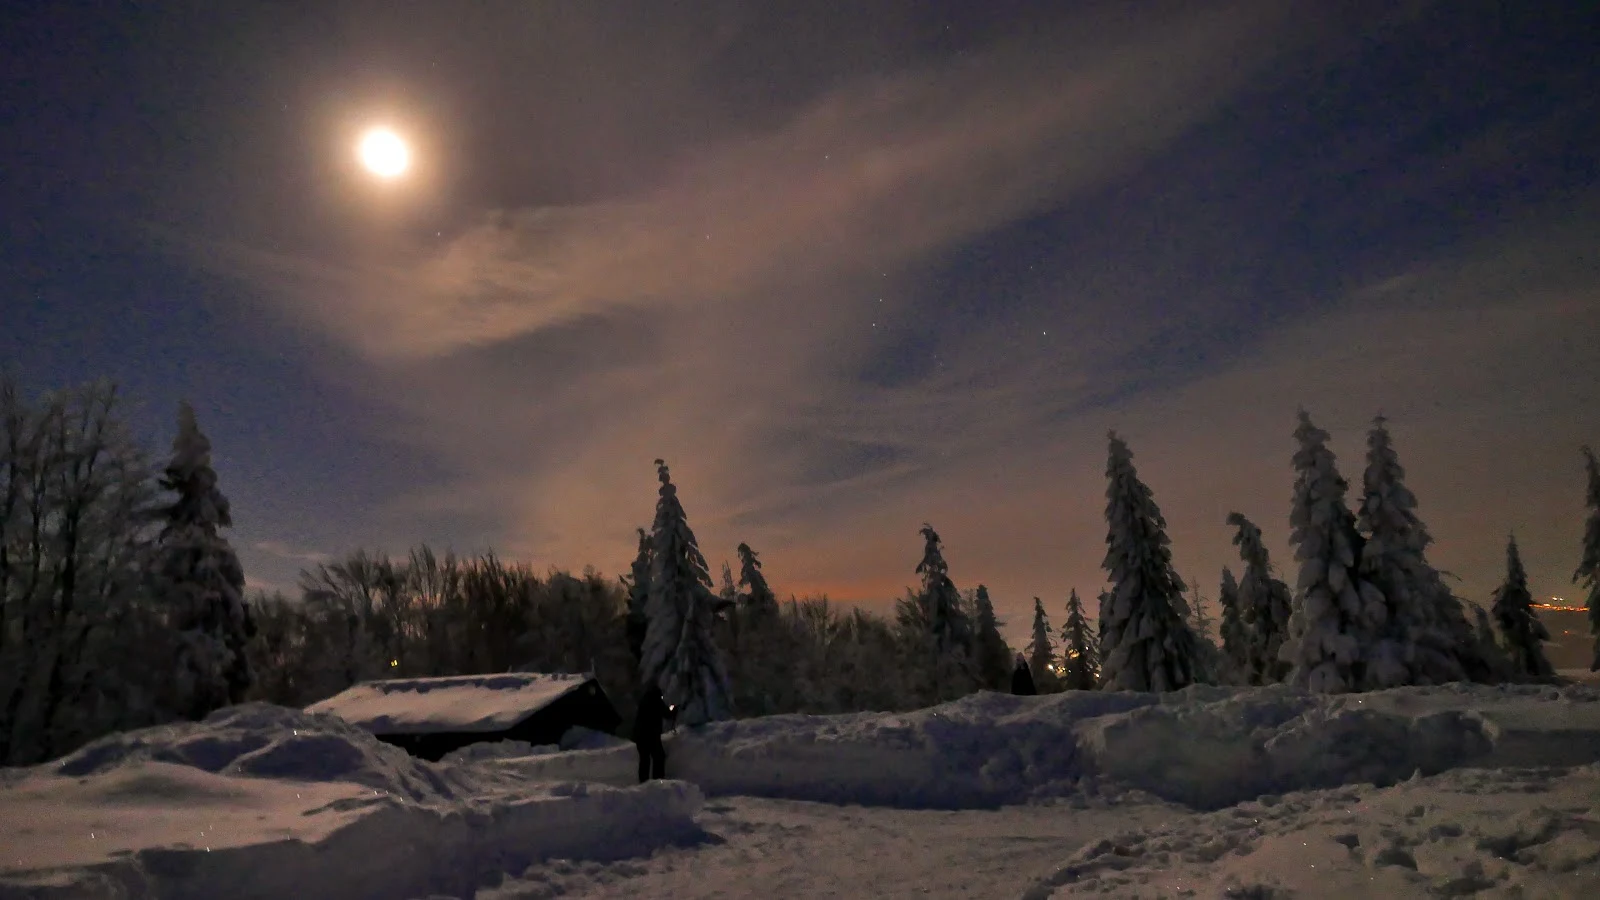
column 846, row 273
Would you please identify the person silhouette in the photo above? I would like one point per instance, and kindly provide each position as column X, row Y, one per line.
column 1022, row 679
column 654, row 712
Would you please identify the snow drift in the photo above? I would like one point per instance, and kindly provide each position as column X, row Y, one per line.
column 1507, row 832
column 1205, row 747
column 260, row 801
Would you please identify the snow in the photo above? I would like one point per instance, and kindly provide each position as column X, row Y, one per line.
column 1394, row 793
column 472, row 703
column 1205, row 747
column 1483, row 832
column 261, row 801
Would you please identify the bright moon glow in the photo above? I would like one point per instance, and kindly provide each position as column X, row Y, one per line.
column 384, row 153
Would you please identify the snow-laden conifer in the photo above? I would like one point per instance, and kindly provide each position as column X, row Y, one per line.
column 1080, row 664
column 638, row 586
column 1337, row 615
column 1200, row 614
column 1265, row 605
column 1524, row 633
column 758, row 598
column 990, row 655
column 935, row 628
column 1426, row 630
column 1041, row 651
column 941, row 602
column 201, row 578
column 1147, row 644
column 1488, row 646
column 1588, row 573
column 680, row 651
column 728, row 596
column 1236, row 643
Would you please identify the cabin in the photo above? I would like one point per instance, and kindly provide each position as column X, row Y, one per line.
column 429, row 717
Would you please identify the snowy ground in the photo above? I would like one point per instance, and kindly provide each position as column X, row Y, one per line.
column 1211, row 792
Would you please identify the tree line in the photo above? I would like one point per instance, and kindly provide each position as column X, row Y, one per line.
column 121, row 603
column 111, row 562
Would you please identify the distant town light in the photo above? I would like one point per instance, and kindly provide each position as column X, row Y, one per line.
column 1557, row 604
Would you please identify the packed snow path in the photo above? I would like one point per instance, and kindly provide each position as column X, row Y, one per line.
column 795, row 848
column 991, row 795
column 1472, row 832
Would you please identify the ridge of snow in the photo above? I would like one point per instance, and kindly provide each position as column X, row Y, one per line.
column 1510, row 832
column 1206, row 747
column 260, row 801
column 263, row 801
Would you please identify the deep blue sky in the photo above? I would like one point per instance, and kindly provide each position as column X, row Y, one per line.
column 846, row 274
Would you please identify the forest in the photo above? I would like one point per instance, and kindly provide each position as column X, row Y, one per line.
column 125, row 605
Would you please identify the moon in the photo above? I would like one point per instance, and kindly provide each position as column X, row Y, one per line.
column 384, row 153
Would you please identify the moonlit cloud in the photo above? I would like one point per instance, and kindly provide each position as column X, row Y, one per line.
column 731, row 312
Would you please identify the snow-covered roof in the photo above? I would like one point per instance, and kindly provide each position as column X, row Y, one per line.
column 453, row 704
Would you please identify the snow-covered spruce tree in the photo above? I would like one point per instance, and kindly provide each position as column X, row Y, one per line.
column 1338, row 616
column 1199, row 614
column 939, row 597
column 1080, row 664
column 680, row 649
column 758, row 598
column 991, row 656
column 1426, row 630
column 201, row 579
column 638, row 587
column 771, row 671
column 1235, row 635
column 1042, row 652
column 1147, row 644
column 1488, row 647
column 1265, row 605
column 1524, row 633
column 1588, row 574
column 938, row 628
column 1212, row 663
column 728, row 596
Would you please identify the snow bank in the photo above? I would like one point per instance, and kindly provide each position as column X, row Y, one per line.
column 1214, row 754
column 486, row 750
column 1580, row 676
column 1507, row 832
column 580, row 738
column 264, row 741
column 1205, row 747
column 260, row 801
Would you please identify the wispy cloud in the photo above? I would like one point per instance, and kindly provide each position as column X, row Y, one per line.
column 721, row 317
column 861, row 180
column 283, row 551
column 717, row 317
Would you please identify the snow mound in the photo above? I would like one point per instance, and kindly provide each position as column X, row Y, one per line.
column 1274, row 740
column 159, row 830
column 264, row 741
column 262, row 801
column 580, row 738
column 1205, row 747
column 1509, row 832
column 484, row 750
